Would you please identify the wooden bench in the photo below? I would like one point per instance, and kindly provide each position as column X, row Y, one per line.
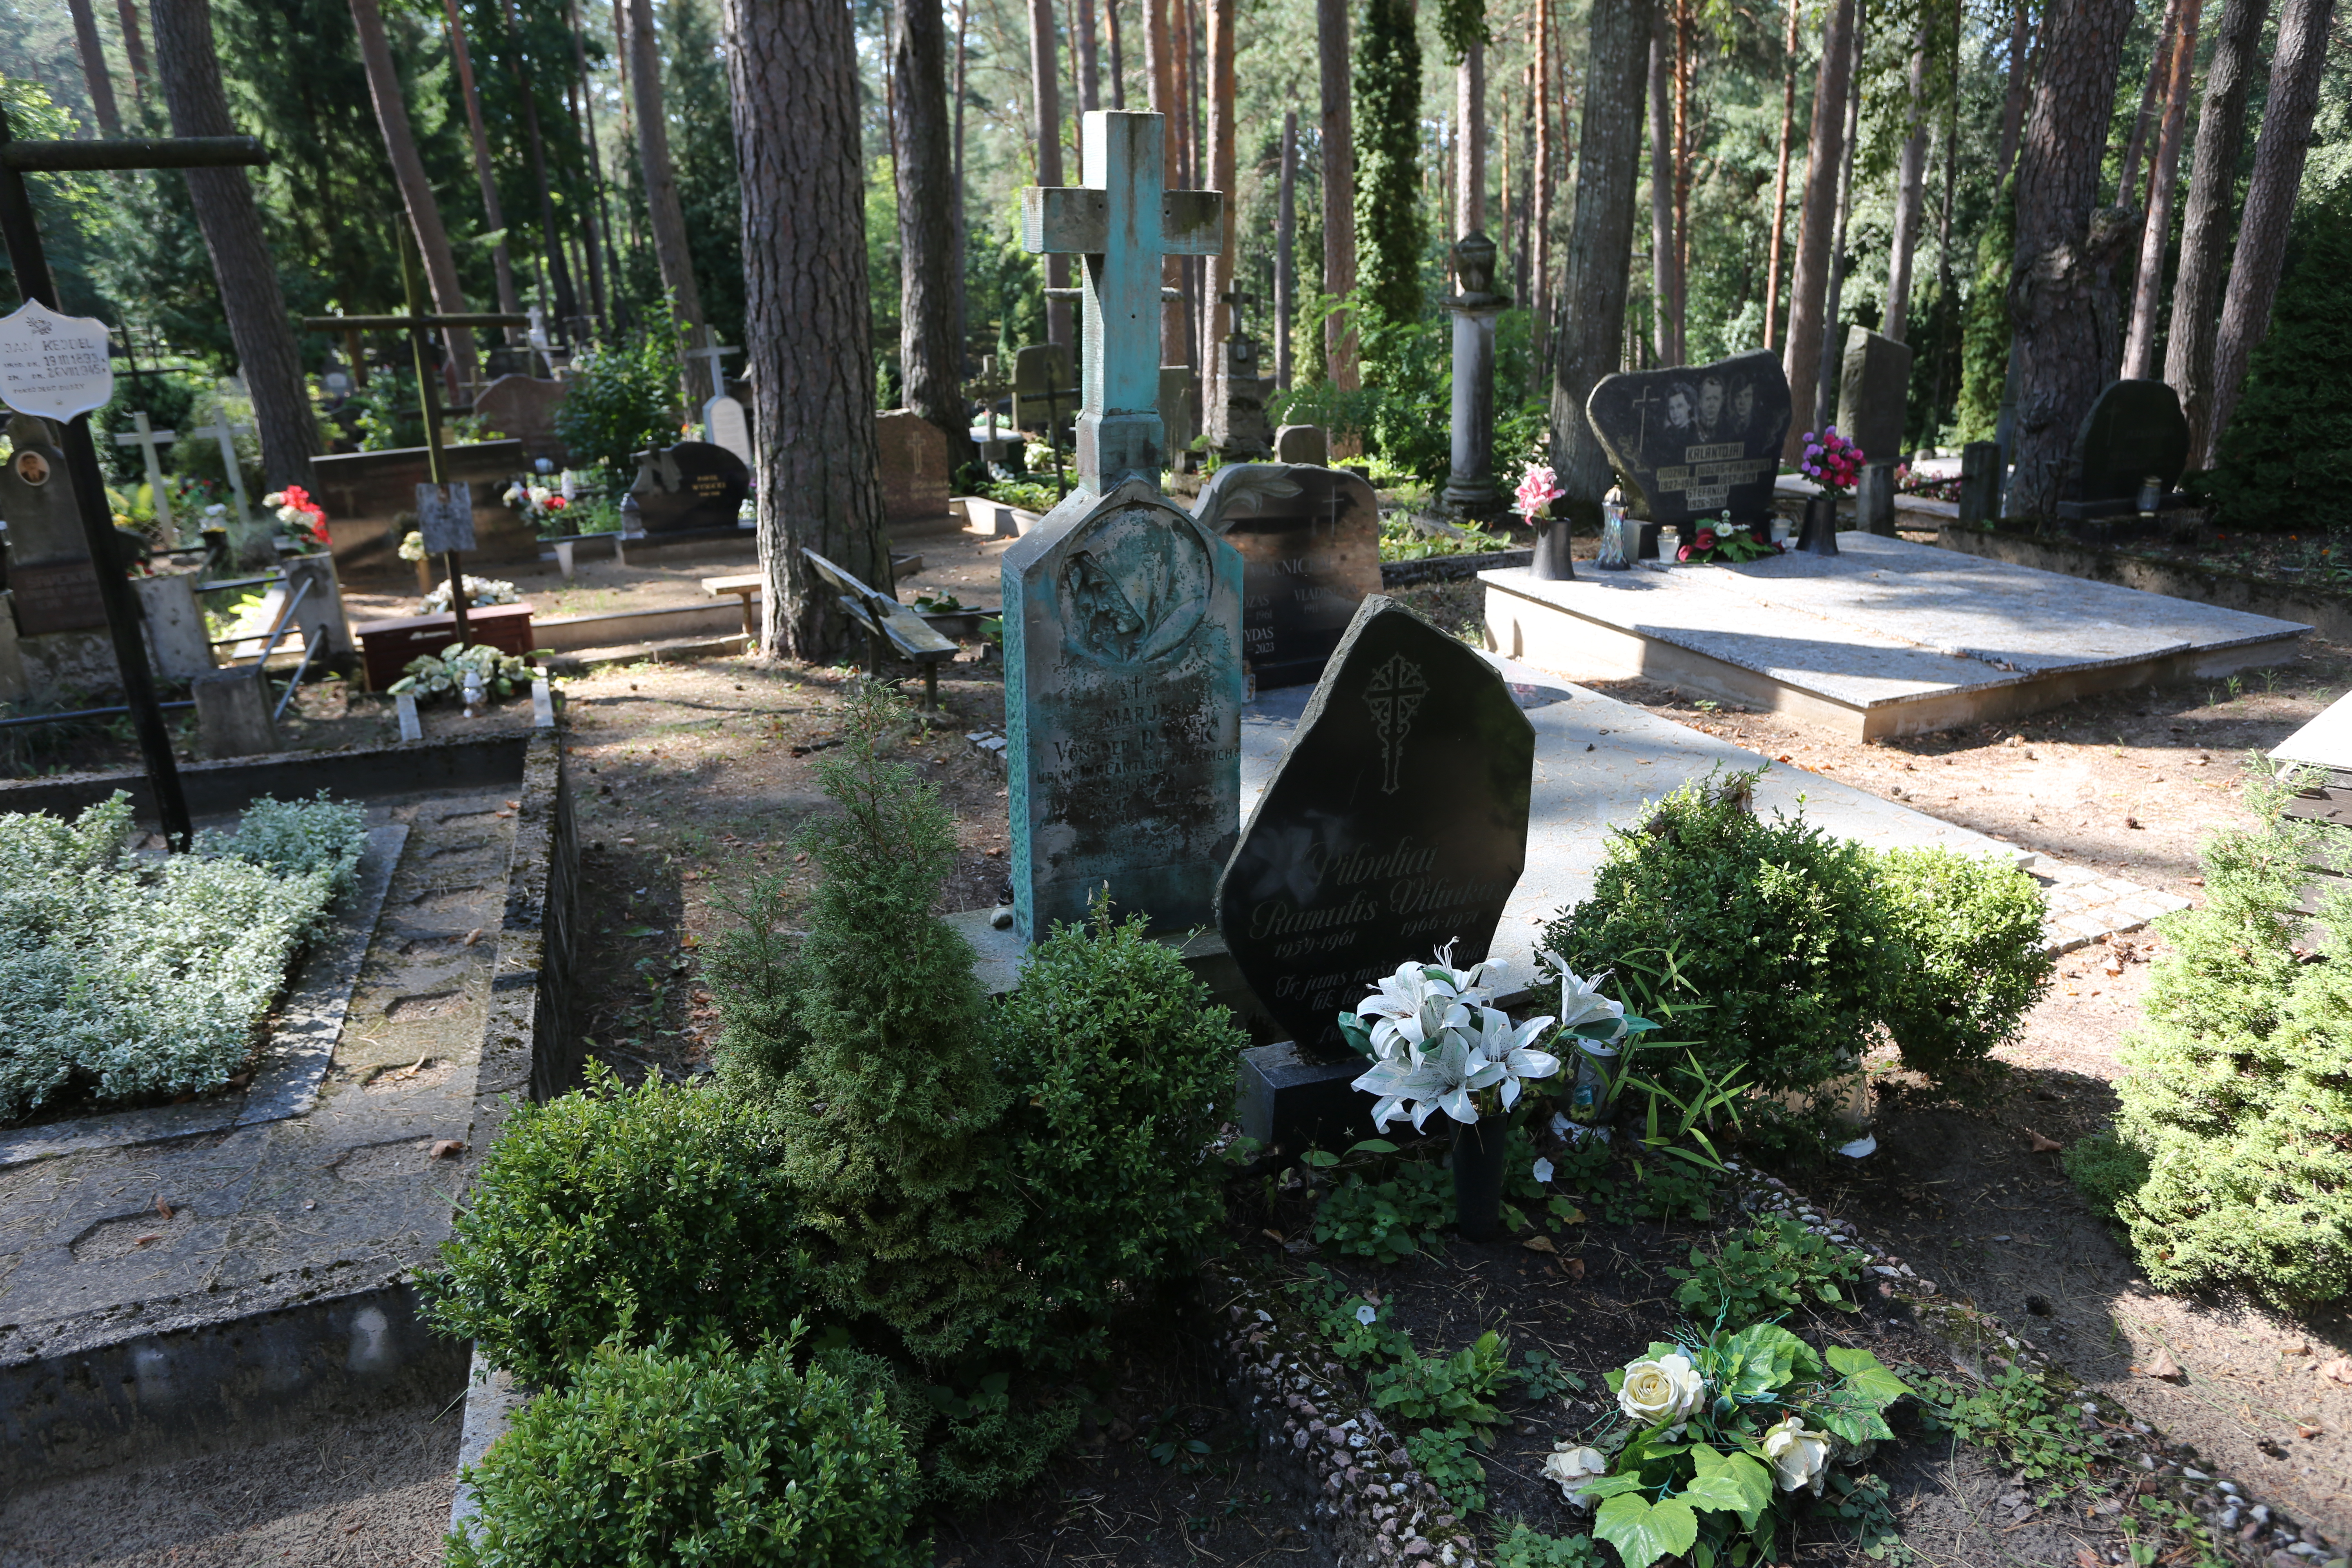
column 884, row 619
column 745, row 585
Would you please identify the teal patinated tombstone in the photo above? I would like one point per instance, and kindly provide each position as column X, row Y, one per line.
column 1122, row 614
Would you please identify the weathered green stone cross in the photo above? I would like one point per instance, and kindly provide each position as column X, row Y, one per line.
column 1122, row 221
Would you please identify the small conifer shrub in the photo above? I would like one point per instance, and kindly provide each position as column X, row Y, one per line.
column 2234, row 1093
column 1975, row 961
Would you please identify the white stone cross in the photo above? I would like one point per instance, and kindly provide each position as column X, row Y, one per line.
column 149, row 439
column 1122, row 221
column 714, row 352
column 226, row 433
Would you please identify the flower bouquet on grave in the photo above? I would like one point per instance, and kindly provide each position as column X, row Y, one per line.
column 304, row 519
column 1718, row 1439
column 1722, row 539
column 1538, row 489
column 1832, row 462
column 476, row 673
column 542, row 506
column 1437, row 1044
column 479, row 591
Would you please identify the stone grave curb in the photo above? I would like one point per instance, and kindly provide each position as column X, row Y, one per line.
column 2329, row 616
column 163, row 1379
column 1450, row 568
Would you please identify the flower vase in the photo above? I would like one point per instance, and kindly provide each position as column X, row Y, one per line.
column 1478, row 1175
column 1818, row 536
column 1551, row 561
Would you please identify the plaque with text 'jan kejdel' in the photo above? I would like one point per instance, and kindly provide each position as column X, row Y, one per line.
column 1695, row 440
column 1397, row 823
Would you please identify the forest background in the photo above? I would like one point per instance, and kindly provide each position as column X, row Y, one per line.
column 1727, row 144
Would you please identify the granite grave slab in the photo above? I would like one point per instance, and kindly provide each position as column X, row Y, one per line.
column 1310, row 545
column 693, row 485
column 1696, row 439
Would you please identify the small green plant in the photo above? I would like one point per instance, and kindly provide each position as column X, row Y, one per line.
column 620, row 398
column 1864, row 1507
column 1388, row 1220
column 2018, row 1416
column 1541, row 1376
column 618, row 1216
column 1443, row 1454
column 1765, row 1274
column 1526, row 1548
column 1170, row 1443
column 2105, row 1169
column 1447, row 1391
column 705, row 1456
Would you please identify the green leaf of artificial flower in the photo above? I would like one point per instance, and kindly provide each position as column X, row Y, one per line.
column 1644, row 1531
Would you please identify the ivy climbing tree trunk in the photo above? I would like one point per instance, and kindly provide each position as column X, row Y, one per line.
column 2205, row 224
column 2295, row 71
column 415, row 188
column 1387, row 161
column 2059, row 290
column 1596, row 260
column 792, row 66
column 258, row 325
column 929, row 356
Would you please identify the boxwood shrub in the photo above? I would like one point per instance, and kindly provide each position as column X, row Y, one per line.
column 619, row 1214
column 712, row 1456
column 1976, row 963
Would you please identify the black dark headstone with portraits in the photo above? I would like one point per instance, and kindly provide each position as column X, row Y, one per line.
column 1309, row 539
column 1396, row 824
column 2135, row 432
column 689, row 485
column 1695, row 440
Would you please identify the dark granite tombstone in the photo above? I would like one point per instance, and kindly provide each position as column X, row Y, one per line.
column 1874, row 387
column 1045, row 386
column 1396, row 824
column 2135, row 432
column 1696, row 439
column 48, row 556
column 1310, row 545
column 692, row 485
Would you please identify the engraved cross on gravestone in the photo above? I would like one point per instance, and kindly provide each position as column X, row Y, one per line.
column 1122, row 614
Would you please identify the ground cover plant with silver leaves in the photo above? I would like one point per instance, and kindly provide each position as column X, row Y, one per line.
column 125, row 977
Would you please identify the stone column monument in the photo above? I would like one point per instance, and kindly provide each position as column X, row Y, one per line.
column 1470, row 489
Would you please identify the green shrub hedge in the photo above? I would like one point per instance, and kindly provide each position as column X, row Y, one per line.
column 1976, row 963
column 615, row 1214
column 653, row 1458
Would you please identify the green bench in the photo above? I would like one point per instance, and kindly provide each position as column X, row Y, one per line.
column 885, row 620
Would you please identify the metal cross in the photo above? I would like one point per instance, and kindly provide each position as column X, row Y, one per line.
column 147, row 439
column 1122, row 221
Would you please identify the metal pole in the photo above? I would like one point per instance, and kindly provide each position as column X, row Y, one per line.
column 31, row 264
column 429, row 403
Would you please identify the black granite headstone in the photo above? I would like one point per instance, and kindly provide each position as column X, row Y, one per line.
column 689, row 485
column 1696, row 440
column 1309, row 539
column 48, row 556
column 2135, row 431
column 1396, row 824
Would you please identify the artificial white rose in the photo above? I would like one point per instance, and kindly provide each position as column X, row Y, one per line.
column 1571, row 1467
column 1799, row 1459
column 1667, row 1389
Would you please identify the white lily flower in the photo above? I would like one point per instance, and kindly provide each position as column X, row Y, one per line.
column 1581, row 1001
column 1510, row 1052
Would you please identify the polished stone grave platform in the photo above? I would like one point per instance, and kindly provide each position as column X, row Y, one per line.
column 1888, row 637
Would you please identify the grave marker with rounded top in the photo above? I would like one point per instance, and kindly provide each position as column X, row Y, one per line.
column 1694, row 440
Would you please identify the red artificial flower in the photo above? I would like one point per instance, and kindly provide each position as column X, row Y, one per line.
column 1705, row 538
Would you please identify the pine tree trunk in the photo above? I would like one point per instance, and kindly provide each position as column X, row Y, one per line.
column 1160, row 93
column 95, row 75
column 1808, row 289
column 1118, row 65
column 1662, row 198
column 1221, row 178
column 665, row 214
column 1600, row 248
column 1338, row 190
column 1840, row 255
column 1780, row 175
column 415, row 189
column 2205, row 225
column 600, row 212
column 258, row 325
column 134, row 50
column 929, row 357
column 1286, row 252
column 2021, row 79
column 1683, row 133
column 1910, row 190
column 1470, row 143
column 2156, row 234
column 963, row 221
column 1540, row 183
column 1088, row 64
column 550, row 236
column 2059, row 282
column 2295, row 71
column 2151, row 102
column 792, row 66
column 493, row 212
column 1045, row 91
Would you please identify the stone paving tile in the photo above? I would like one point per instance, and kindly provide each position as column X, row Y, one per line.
column 2082, row 906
